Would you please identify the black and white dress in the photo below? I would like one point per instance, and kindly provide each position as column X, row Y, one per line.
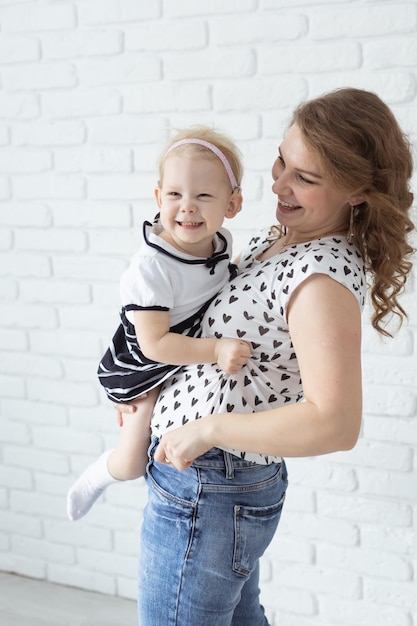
column 253, row 307
column 160, row 278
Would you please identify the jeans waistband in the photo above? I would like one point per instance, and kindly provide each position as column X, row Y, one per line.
column 225, row 461
column 219, row 459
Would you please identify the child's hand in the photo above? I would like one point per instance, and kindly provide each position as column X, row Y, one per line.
column 232, row 354
column 125, row 408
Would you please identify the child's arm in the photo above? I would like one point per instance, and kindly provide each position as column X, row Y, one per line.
column 161, row 345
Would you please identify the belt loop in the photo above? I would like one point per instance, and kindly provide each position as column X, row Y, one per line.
column 228, row 465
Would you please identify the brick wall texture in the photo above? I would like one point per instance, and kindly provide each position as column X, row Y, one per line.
column 89, row 90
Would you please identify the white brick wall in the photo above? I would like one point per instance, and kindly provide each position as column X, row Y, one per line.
column 88, row 90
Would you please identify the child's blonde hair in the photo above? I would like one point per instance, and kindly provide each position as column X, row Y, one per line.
column 207, row 134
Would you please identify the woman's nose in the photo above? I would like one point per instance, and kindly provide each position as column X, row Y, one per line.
column 281, row 183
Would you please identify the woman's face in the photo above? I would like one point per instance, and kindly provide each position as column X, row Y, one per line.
column 308, row 203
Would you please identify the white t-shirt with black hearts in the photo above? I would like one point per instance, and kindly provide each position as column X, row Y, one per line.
column 253, row 307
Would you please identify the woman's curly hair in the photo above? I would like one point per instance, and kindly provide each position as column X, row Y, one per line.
column 363, row 150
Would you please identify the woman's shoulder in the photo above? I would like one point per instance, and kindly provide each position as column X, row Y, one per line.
column 335, row 257
column 333, row 253
column 257, row 243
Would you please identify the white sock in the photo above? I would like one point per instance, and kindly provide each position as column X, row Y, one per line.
column 90, row 485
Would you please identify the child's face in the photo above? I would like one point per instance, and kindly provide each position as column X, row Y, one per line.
column 194, row 198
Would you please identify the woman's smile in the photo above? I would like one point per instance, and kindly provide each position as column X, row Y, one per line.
column 284, row 206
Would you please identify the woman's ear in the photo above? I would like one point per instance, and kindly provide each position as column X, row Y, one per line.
column 235, row 204
column 355, row 200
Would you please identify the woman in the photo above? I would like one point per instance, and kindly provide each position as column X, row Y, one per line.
column 341, row 178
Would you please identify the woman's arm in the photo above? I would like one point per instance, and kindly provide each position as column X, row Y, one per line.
column 159, row 344
column 325, row 326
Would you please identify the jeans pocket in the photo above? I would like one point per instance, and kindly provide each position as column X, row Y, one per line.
column 254, row 530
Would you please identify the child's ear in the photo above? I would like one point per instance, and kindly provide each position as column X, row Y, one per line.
column 235, row 204
column 157, row 193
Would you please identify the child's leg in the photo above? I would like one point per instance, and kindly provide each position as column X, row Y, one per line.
column 126, row 462
column 130, row 458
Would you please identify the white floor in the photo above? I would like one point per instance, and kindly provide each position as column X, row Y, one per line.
column 29, row 602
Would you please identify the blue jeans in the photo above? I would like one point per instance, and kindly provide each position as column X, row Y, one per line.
column 203, row 533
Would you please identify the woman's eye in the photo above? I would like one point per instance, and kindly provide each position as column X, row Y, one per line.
column 305, row 180
column 281, row 160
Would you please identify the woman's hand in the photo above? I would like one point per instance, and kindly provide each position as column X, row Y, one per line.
column 179, row 447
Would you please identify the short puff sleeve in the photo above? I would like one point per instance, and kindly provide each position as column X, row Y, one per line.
column 146, row 284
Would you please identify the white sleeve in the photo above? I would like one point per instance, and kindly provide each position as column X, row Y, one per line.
column 336, row 264
column 146, row 283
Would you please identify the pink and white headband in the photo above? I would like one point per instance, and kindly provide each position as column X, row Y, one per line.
column 215, row 150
